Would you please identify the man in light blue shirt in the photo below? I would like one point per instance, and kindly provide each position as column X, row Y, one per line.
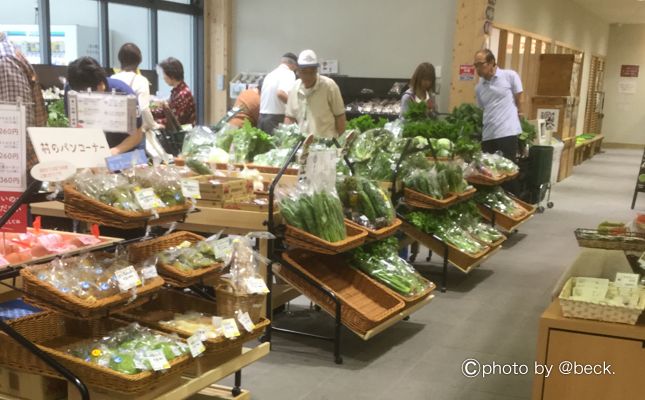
column 498, row 93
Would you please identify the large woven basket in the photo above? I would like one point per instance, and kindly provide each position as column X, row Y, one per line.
column 409, row 300
column 228, row 302
column 364, row 302
column 381, row 233
column 600, row 312
column 84, row 208
column 54, row 333
column 422, row 200
column 505, row 221
column 467, row 194
column 44, row 295
column 167, row 303
column 627, row 241
column 298, row 238
column 140, row 251
column 484, row 180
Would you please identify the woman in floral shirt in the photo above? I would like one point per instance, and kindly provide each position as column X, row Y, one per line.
column 181, row 102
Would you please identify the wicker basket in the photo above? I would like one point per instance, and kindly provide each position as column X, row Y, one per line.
column 228, row 302
column 298, row 238
column 599, row 312
column 458, row 258
column 626, row 241
column 142, row 250
column 381, row 233
column 167, row 303
column 484, row 180
column 465, row 195
column 84, row 208
column 54, row 333
column 421, row 200
column 44, row 295
column 365, row 303
column 507, row 222
column 409, row 300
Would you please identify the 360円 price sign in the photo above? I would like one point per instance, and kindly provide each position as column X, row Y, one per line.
column 13, row 151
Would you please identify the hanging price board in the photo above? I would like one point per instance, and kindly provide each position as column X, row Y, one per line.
column 107, row 111
column 13, row 164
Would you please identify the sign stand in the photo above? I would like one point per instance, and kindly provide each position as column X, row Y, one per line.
column 13, row 164
column 640, row 180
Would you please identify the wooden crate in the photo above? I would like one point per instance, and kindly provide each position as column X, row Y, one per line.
column 216, row 188
column 558, row 75
column 567, row 108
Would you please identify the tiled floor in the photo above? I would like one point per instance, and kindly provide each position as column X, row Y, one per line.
column 489, row 315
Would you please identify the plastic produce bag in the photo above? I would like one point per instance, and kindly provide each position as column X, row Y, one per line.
column 365, row 202
column 243, row 276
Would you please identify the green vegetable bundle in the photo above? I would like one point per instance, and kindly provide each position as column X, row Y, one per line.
column 197, row 256
column 365, row 202
column 320, row 214
column 467, row 216
column 437, row 181
column 381, row 261
column 498, row 200
column 125, row 350
column 247, row 142
column 365, row 123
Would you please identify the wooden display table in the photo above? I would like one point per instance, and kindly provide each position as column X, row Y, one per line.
column 587, row 342
column 587, row 149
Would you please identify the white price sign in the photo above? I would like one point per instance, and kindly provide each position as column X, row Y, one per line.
column 149, row 272
column 158, row 360
column 229, row 326
column 190, row 188
column 245, row 320
column 84, row 148
column 106, row 111
column 195, row 345
column 147, row 198
column 13, row 148
column 256, row 285
column 127, row 278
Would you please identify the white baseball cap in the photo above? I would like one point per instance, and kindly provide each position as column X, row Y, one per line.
column 307, row 58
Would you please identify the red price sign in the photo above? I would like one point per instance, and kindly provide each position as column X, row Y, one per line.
column 18, row 222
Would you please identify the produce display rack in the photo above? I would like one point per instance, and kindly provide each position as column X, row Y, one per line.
column 276, row 249
column 77, row 389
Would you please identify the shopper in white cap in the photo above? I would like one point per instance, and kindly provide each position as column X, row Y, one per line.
column 315, row 102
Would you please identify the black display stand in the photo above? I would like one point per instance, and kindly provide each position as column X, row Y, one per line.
column 640, row 186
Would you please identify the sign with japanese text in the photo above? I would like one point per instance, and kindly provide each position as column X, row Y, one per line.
column 111, row 112
column 466, row 72
column 629, row 71
column 13, row 150
column 53, row 171
column 83, row 147
column 18, row 222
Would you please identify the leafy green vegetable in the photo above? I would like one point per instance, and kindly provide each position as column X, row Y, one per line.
column 56, row 116
column 365, row 202
column 365, row 123
column 320, row 214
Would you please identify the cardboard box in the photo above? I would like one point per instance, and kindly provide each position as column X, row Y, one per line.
column 28, row 386
column 257, row 205
column 216, row 188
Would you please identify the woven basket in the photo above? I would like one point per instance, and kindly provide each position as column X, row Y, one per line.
column 228, row 302
column 381, row 233
column 466, row 194
column 142, row 250
column 298, row 238
column 167, row 303
column 461, row 260
column 507, row 222
column 599, row 312
column 409, row 300
column 628, row 242
column 364, row 302
column 44, row 295
column 484, row 180
column 54, row 333
column 422, row 200
column 84, row 208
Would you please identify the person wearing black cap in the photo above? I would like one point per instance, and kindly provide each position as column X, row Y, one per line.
column 275, row 92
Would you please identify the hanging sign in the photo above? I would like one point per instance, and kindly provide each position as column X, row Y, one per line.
column 18, row 222
column 629, row 71
column 111, row 112
column 85, row 148
column 13, row 148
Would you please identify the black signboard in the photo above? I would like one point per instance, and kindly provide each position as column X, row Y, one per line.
column 640, row 181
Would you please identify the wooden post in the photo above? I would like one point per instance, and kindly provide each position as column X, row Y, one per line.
column 217, row 42
column 469, row 37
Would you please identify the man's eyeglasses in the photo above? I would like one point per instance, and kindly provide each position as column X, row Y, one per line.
column 480, row 64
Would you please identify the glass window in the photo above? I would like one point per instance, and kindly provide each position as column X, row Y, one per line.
column 129, row 24
column 176, row 39
column 74, row 30
column 19, row 20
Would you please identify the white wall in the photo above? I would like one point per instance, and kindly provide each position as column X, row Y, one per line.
column 562, row 20
column 624, row 120
column 369, row 38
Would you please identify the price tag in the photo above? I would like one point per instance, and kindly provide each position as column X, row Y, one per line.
column 592, row 289
column 217, row 322
column 147, row 198
column 149, row 272
column 223, row 248
column 138, row 364
column 246, row 322
column 127, row 278
column 88, row 240
column 158, row 360
column 627, row 280
column 195, row 345
column 184, row 245
column 190, row 188
column 256, row 285
column 230, row 328
column 202, row 334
